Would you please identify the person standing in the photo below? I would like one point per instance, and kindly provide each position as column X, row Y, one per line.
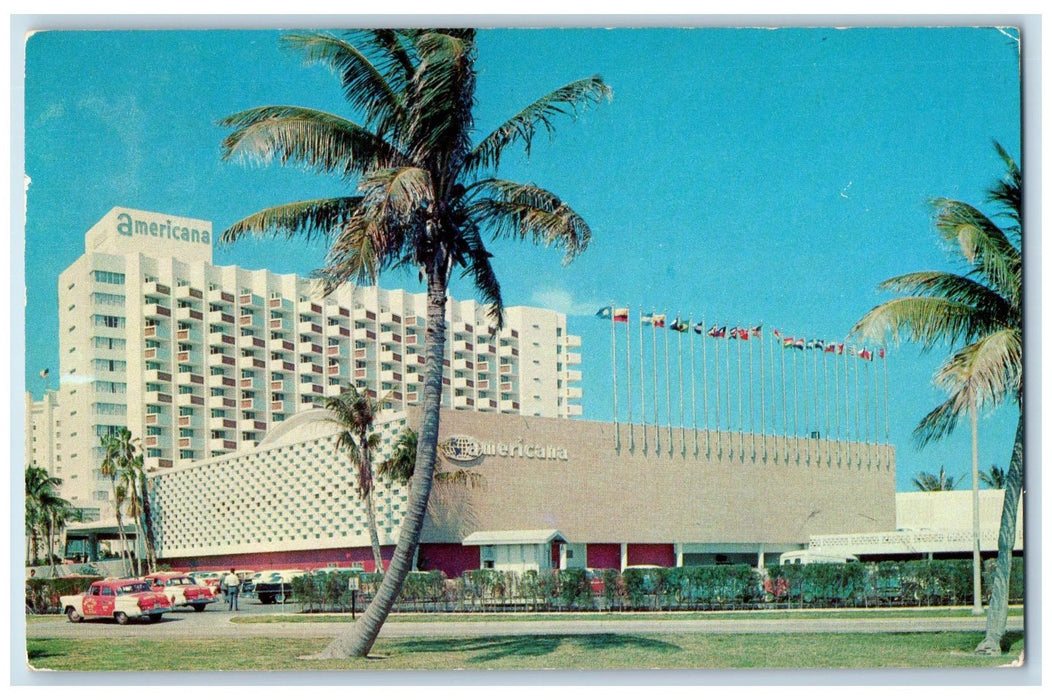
column 232, row 583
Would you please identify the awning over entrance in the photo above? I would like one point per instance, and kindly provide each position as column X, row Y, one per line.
column 485, row 537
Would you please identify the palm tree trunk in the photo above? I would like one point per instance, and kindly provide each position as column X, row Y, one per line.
column 120, row 529
column 997, row 615
column 51, row 542
column 360, row 638
column 374, row 537
column 147, row 518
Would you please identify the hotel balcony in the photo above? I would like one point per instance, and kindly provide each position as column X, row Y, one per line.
column 152, row 464
column 508, row 406
column 332, row 390
column 152, row 376
column 221, row 402
column 573, row 409
column 187, row 313
column 194, row 357
column 333, row 351
column 221, row 318
column 361, row 353
column 155, row 288
column 390, row 375
column 188, row 335
column 153, row 331
column 189, row 400
column 486, row 405
column 277, row 406
column 251, row 301
column 188, row 378
column 573, row 358
column 157, row 397
column 250, row 321
column 463, row 383
column 156, row 417
column 572, row 375
column 156, row 311
column 390, row 338
column 309, row 368
column 412, row 340
column 463, row 364
column 463, row 402
column 388, row 357
column 361, row 373
column 221, row 340
column 250, row 383
column 193, row 421
column 161, row 354
column 572, row 392
column 310, row 388
column 221, row 445
column 483, row 385
column 309, row 328
column 218, row 296
column 280, row 324
column 332, row 370
column 163, row 442
column 573, row 341
column 279, row 303
column 188, row 292
column 277, row 384
column 507, row 351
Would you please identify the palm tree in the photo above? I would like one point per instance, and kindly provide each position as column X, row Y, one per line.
column 981, row 308
column 925, row 481
column 46, row 512
column 426, row 194
column 401, row 465
column 355, row 413
column 120, row 450
column 993, row 479
column 132, row 478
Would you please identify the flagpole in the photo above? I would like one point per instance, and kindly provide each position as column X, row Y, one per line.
column 884, row 359
column 653, row 355
column 682, row 420
column 858, row 430
column 869, row 449
column 825, row 399
column 628, row 357
column 752, row 413
column 613, row 368
column 741, row 420
column 796, row 407
column 668, row 393
column 693, row 385
column 719, row 437
column 642, row 383
column 705, row 385
column 763, row 400
column 727, row 396
column 785, row 409
column 836, row 401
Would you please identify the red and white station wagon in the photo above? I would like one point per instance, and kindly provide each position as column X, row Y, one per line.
column 120, row 599
column 181, row 589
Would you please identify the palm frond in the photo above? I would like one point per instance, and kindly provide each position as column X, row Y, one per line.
column 956, row 288
column 439, row 117
column 397, row 196
column 983, row 244
column 364, row 85
column 361, row 249
column 316, row 140
column 310, row 219
column 925, row 320
column 1008, row 192
column 528, row 212
column 481, row 271
column 541, row 114
column 940, row 421
column 989, row 370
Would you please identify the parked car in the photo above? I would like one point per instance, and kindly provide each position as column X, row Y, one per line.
column 276, row 586
column 120, row 599
column 181, row 589
column 210, row 579
column 803, row 556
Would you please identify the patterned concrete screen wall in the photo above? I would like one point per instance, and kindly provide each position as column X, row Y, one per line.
column 292, row 496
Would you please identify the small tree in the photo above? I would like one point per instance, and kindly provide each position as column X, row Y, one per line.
column 925, row 481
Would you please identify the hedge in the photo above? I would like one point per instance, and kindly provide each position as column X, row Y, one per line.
column 42, row 594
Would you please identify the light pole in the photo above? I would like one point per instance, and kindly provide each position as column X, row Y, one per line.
column 977, row 586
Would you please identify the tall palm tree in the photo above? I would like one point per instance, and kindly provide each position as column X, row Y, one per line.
column 46, row 511
column 993, row 479
column 426, row 195
column 981, row 308
column 355, row 413
column 133, row 478
column 119, row 450
column 925, row 481
column 401, row 465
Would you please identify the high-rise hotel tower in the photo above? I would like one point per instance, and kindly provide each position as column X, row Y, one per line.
column 199, row 360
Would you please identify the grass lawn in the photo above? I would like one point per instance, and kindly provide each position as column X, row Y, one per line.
column 530, row 652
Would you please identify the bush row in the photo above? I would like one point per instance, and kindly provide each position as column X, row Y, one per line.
column 854, row 584
column 42, row 594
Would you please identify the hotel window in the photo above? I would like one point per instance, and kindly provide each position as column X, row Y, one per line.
column 107, row 277
column 108, row 321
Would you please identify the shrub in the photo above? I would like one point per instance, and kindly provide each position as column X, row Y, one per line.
column 43, row 594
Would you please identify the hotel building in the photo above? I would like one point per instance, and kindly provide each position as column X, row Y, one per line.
column 201, row 361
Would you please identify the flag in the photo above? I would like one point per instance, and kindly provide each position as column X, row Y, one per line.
column 788, row 341
column 777, row 334
column 659, row 320
column 679, row 326
column 830, row 347
column 880, row 353
column 755, row 330
column 44, row 373
column 699, row 328
column 799, row 344
column 816, row 345
column 866, row 354
column 646, row 319
column 605, row 312
column 621, row 315
column 840, row 349
column 734, row 332
column 718, row 332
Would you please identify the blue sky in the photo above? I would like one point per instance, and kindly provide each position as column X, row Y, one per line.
column 747, row 175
